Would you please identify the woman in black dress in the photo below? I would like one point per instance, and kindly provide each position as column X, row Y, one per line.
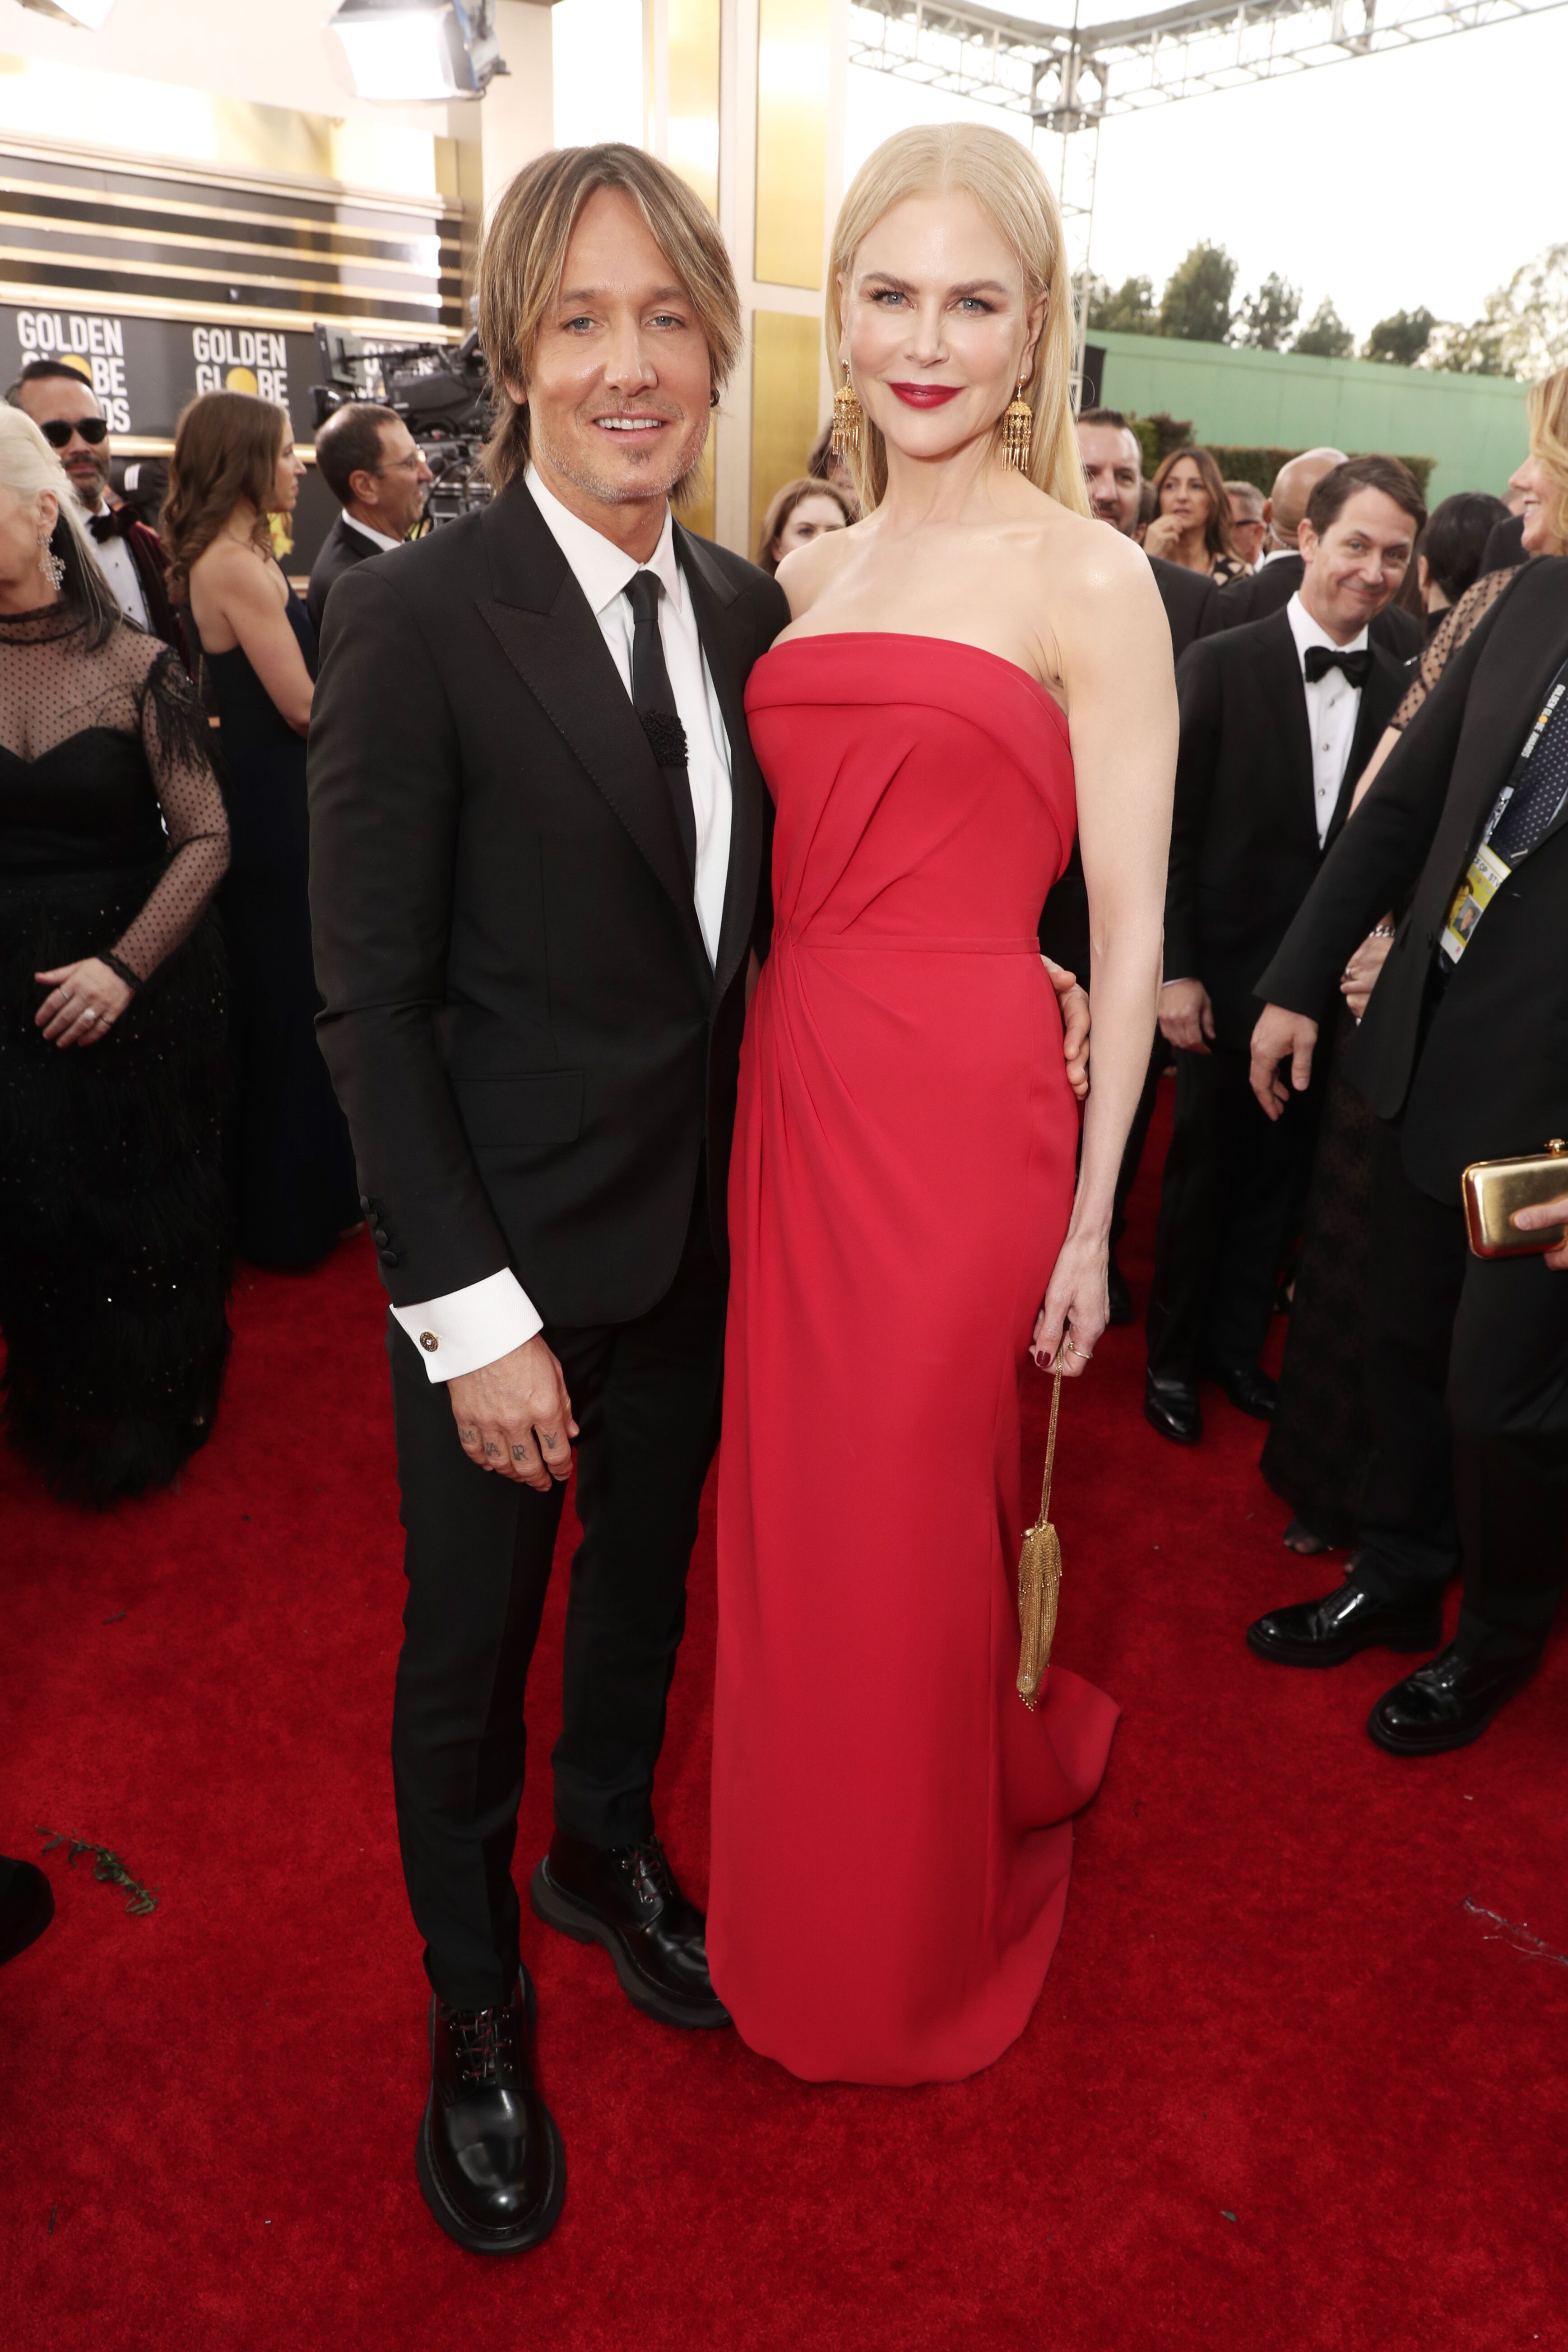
column 291, row 1169
column 113, row 1248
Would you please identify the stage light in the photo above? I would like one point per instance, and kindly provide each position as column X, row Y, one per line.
column 416, row 49
column 91, row 15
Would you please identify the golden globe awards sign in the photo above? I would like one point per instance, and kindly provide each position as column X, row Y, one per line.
column 145, row 370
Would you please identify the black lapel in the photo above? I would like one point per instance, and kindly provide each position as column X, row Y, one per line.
column 1380, row 697
column 727, row 645
column 1279, row 667
column 544, row 626
column 351, row 543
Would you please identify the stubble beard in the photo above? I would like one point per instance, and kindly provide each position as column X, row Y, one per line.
column 687, row 458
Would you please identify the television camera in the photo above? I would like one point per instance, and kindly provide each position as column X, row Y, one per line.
column 441, row 391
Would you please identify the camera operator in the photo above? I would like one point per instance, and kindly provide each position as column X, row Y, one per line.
column 371, row 464
column 1460, row 1055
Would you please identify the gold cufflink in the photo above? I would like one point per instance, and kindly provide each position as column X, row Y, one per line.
column 428, row 1342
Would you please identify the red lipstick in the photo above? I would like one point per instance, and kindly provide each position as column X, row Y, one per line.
column 925, row 395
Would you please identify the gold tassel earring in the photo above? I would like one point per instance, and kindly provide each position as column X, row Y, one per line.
column 1017, row 430
column 847, row 415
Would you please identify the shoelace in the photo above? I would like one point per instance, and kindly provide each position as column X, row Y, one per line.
column 482, row 2057
column 649, row 1873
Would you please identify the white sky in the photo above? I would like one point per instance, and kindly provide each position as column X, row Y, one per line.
column 1425, row 175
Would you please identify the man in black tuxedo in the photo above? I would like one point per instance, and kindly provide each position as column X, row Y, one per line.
column 1460, row 1053
column 1278, row 577
column 1114, row 471
column 1278, row 719
column 371, row 464
column 539, row 843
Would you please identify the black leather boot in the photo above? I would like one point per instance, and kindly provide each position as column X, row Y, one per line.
column 1171, row 1406
column 625, row 1897
column 1325, row 1633
column 1449, row 1702
column 489, row 2158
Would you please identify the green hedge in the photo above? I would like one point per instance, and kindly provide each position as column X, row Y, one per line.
column 1158, row 435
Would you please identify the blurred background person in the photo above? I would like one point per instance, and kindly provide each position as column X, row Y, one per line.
column 1247, row 526
column 1279, row 575
column 291, row 1169
column 798, row 514
column 825, row 464
column 1192, row 519
column 1278, row 719
column 371, row 464
column 113, row 1226
column 66, row 411
column 1318, row 1452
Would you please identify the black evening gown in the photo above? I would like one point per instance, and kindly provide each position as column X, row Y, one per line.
column 291, row 1169
column 113, row 1221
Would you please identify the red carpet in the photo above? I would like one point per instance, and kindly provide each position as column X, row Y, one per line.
column 1283, row 2089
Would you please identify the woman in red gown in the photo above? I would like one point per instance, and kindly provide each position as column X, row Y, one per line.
column 901, row 1196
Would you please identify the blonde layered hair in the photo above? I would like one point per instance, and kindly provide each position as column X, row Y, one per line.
column 1546, row 406
column 524, row 253
column 1011, row 190
column 29, row 468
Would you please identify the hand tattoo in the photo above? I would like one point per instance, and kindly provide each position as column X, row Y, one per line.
column 520, row 1453
column 469, row 1436
column 548, row 1444
column 493, row 1452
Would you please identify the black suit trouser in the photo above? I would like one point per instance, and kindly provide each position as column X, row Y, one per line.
column 1467, row 1364
column 645, row 1395
column 1233, row 1181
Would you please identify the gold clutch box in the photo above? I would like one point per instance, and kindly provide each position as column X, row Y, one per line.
column 1494, row 1189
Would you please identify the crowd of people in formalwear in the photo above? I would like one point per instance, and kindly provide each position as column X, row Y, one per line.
column 463, row 944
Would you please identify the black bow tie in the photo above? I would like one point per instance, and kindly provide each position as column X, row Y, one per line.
column 114, row 523
column 1357, row 667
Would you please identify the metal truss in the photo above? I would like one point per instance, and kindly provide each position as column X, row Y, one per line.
column 1067, row 78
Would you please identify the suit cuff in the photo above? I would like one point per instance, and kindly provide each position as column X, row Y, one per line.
column 473, row 1327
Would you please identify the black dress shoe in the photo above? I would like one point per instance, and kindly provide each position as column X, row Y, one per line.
column 1118, row 1297
column 1171, row 1406
column 626, row 1898
column 489, row 2158
column 26, row 1905
column 1449, row 1702
column 1250, row 1389
column 1325, row 1633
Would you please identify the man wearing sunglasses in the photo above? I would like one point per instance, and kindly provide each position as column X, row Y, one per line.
column 65, row 408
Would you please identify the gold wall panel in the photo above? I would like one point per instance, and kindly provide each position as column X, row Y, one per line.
column 693, row 119
column 696, row 508
column 785, row 358
column 793, row 68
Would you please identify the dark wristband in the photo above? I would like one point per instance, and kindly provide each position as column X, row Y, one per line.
column 132, row 979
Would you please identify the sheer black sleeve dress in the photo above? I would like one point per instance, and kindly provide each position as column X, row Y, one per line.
column 1318, row 1450
column 113, row 1223
column 291, row 1168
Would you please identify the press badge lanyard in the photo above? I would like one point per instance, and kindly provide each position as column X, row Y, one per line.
column 1486, row 871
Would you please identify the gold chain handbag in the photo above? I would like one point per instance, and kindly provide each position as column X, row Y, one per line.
column 1039, row 1578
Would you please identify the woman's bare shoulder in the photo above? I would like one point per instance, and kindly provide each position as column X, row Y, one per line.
column 804, row 574
column 1100, row 569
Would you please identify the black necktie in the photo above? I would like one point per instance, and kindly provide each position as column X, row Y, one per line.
column 654, row 699
column 1357, row 667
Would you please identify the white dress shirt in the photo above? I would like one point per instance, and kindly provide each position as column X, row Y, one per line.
column 1334, row 706
column 474, row 1326
column 117, row 566
column 377, row 539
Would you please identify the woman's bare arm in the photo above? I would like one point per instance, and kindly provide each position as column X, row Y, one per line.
column 1115, row 654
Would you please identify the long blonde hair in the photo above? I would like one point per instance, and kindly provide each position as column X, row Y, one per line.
column 28, row 467
column 1009, row 187
column 1546, row 406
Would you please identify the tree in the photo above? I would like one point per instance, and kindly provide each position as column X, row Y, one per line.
column 1266, row 318
column 1128, row 309
column 1195, row 304
column 1400, row 339
column 1325, row 335
column 1522, row 330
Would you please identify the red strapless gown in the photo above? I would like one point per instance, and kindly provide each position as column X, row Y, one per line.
column 892, row 1829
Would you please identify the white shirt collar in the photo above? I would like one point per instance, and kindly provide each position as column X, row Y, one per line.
column 367, row 530
column 1306, row 631
column 1274, row 554
column 602, row 569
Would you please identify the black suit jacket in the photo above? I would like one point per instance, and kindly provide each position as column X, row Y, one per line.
column 1477, row 1069
column 342, row 548
column 521, row 1020
column 1505, row 545
column 1192, row 608
column 1244, row 837
column 1271, row 589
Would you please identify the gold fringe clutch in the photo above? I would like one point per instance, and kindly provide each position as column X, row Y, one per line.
column 1039, row 1580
